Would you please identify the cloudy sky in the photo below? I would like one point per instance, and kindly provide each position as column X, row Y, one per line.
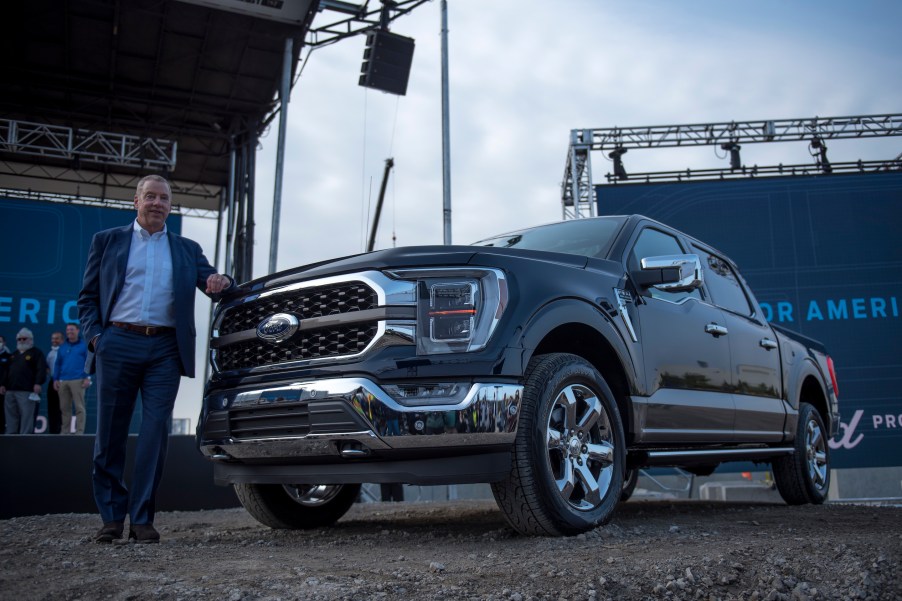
column 523, row 73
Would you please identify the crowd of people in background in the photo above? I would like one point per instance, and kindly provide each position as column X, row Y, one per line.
column 26, row 372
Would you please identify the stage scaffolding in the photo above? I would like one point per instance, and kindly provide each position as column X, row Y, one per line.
column 578, row 189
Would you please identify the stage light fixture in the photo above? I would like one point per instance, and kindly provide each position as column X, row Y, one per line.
column 616, row 154
column 735, row 159
column 820, row 152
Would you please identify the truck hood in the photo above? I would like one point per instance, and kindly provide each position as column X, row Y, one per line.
column 407, row 257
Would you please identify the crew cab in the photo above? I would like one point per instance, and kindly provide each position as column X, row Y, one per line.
column 552, row 362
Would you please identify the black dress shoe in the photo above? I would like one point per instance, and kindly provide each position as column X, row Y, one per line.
column 109, row 532
column 143, row 533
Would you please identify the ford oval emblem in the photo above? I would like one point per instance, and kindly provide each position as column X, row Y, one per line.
column 278, row 327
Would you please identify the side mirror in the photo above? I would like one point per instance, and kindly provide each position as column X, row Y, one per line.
column 670, row 273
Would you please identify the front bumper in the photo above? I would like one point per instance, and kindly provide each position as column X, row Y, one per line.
column 345, row 419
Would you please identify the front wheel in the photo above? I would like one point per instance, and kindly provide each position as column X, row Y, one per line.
column 567, row 463
column 297, row 506
column 804, row 476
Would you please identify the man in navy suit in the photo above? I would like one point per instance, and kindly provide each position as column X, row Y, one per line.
column 136, row 307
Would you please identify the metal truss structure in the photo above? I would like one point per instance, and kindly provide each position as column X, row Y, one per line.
column 82, row 145
column 103, row 189
column 362, row 19
column 108, row 203
column 758, row 171
column 578, row 193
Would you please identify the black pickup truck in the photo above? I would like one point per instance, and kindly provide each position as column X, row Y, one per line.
column 551, row 362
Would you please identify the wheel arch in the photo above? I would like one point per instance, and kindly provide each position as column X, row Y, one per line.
column 576, row 327
column 811, row 391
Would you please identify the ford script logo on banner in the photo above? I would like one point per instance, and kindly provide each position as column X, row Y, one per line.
column 278, row 327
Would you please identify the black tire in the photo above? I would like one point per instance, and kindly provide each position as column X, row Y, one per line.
column 568, row 458
column 630, row 479
column 297, row 506
column 804, row 476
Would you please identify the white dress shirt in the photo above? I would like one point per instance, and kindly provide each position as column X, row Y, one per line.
column 147, row 295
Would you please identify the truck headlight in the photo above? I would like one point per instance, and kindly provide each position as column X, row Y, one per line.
column 452, row 311
column 457, row 309
column 458, row 313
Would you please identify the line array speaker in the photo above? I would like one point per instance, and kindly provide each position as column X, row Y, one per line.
column 386, row 62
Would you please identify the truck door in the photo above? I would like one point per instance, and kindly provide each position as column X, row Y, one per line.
column 687, row 360
column 755, row 355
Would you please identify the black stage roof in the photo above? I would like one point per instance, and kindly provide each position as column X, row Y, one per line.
column 172, row 70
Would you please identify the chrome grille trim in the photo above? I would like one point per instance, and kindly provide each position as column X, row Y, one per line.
column 387, row 292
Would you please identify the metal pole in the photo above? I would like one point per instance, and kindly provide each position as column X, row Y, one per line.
column 222, row 205
column 251, row 188
column 280, row 155
column 230, row 229
column 241, row 208
column 446, row 140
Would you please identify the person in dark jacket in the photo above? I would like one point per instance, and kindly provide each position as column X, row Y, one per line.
column 5, row 354
column 136, row 307
column 70, row 379
column 25, row 375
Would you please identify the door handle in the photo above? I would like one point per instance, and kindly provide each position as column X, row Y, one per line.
column 767, row 343
column 715, row 330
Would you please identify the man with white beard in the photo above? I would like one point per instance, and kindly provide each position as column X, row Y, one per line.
column 25, row 374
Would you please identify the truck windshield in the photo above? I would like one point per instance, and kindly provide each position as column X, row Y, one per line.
column 585, row 237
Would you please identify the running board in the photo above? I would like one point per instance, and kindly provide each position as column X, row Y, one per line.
column 706, row 456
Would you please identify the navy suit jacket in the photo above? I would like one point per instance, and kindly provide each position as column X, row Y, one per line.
column 105, row 276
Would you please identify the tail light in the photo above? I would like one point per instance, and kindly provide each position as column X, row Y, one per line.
column 832, row 371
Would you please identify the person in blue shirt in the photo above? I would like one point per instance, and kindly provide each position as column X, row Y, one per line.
column 136, row 308
column 70, row 379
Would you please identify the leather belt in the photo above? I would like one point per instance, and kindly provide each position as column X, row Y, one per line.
column 145, row 330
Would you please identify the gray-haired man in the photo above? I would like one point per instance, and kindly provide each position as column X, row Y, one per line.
column 25, row 374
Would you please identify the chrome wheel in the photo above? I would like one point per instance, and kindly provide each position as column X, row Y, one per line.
column 816, row 454
column 312, row 495
column 567, row 463
column 580, row 447
column 804, row 476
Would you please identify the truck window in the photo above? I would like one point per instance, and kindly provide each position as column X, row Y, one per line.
column 722, row 283
column 584, row 237
column 655, row 243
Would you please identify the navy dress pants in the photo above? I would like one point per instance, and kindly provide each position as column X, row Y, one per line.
column 128, row 362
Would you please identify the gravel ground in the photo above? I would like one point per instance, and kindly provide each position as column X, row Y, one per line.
column 464, row 550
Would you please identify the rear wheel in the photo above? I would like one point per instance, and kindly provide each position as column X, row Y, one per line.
column 804, row 476
column 297, row 506
column 567, row 466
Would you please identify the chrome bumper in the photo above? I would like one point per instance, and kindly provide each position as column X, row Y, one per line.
column 486, row 416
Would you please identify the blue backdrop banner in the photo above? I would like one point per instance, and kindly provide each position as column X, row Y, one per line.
column 45, row 247
column 823, row 256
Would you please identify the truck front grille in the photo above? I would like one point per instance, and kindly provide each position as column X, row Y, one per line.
column 305, row 303
column 332, row 341
column 327, row 342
